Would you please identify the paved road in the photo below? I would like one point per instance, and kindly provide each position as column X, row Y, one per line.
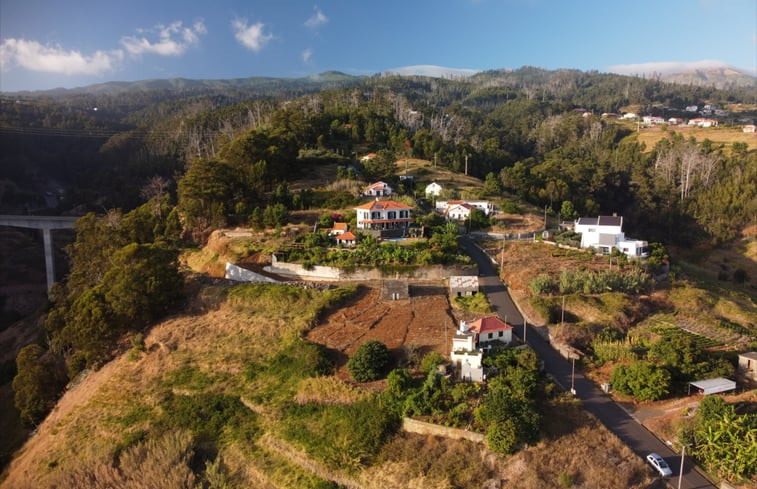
column 617, row 420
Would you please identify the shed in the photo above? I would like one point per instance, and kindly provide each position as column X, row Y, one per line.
column 394, row 290
column 713, row 386
column 748, row 365
column 460, row 285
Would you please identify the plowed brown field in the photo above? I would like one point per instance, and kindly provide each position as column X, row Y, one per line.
column 424, row 320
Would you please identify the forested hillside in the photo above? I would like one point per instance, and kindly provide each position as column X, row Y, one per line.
column 98, row 150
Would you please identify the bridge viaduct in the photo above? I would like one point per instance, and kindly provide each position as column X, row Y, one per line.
column 47, row 224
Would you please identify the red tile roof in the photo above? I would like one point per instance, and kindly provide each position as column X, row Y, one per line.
column 340, row 226
column 375, row 205
column 346, row 236
column 488, row 325
column 377, row 185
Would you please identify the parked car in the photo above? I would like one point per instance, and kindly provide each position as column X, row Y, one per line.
column 659, row 464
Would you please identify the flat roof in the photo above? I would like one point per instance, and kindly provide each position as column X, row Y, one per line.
column 749, row 354
column 713, row 386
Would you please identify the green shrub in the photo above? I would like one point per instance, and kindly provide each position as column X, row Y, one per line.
column 431, row 361
column 369, row 362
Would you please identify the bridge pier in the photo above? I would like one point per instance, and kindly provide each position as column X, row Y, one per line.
column 47, row 239
column 46, row 224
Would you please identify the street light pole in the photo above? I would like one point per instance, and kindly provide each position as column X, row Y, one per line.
column 680, row 475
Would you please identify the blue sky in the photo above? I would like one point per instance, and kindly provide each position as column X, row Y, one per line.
column 67, row 43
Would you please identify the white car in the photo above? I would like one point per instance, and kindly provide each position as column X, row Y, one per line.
column 659, row 464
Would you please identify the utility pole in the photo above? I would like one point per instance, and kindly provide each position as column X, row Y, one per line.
column 525, row 328
column 573, row 377
column 466, row 163
column 562, row 312
column 545, row 217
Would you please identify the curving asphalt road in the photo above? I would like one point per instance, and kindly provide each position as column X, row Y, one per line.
column 615, row 418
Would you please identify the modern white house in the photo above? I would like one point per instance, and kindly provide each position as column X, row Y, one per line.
column 378, row 189
column 605, row 233
column 383, row 214
column 433, row 189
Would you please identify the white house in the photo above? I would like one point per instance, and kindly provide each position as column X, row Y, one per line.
column 674, row 121
column 466, row 355
column 483, row 205
column 630, row 115
column 650, row 119
column 605, row 233
column 339, row 228
column 701, row 122
column 377, row 189
column 749, row 128
column 458, row 212
column 491, row 328
column 383, row 214
column 433, row 189
column 346, row 239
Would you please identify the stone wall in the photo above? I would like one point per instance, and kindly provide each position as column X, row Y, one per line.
column 321, row 273
column 415, row 426
column 240, row 274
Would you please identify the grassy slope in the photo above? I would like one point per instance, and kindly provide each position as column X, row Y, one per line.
column 696, row 299
column 215, row 348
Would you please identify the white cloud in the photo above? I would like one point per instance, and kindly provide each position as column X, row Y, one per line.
column 666, row 67
column 173, row 39
column 54, row 59
column 317, row 19
column 306, row 55
column 252, row 37
column 432, row 70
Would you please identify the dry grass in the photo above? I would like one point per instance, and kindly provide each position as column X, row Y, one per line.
column 328, row 390
column 718, row 135
column 573, row 437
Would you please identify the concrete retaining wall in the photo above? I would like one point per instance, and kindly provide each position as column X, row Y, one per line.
column 240, row 274
column 321, row 273
column 415, row 426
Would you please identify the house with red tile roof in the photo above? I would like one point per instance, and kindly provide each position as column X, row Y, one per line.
column 339, row 228
column 346, row 239
column 491, row 328
column 383, row 214
column 378, row 189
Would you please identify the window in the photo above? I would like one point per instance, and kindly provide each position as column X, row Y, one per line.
column 375, row 215
column 591, row 230
column 491, row 335
column 501, row 334
column 403, row 214
column 391, row 215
